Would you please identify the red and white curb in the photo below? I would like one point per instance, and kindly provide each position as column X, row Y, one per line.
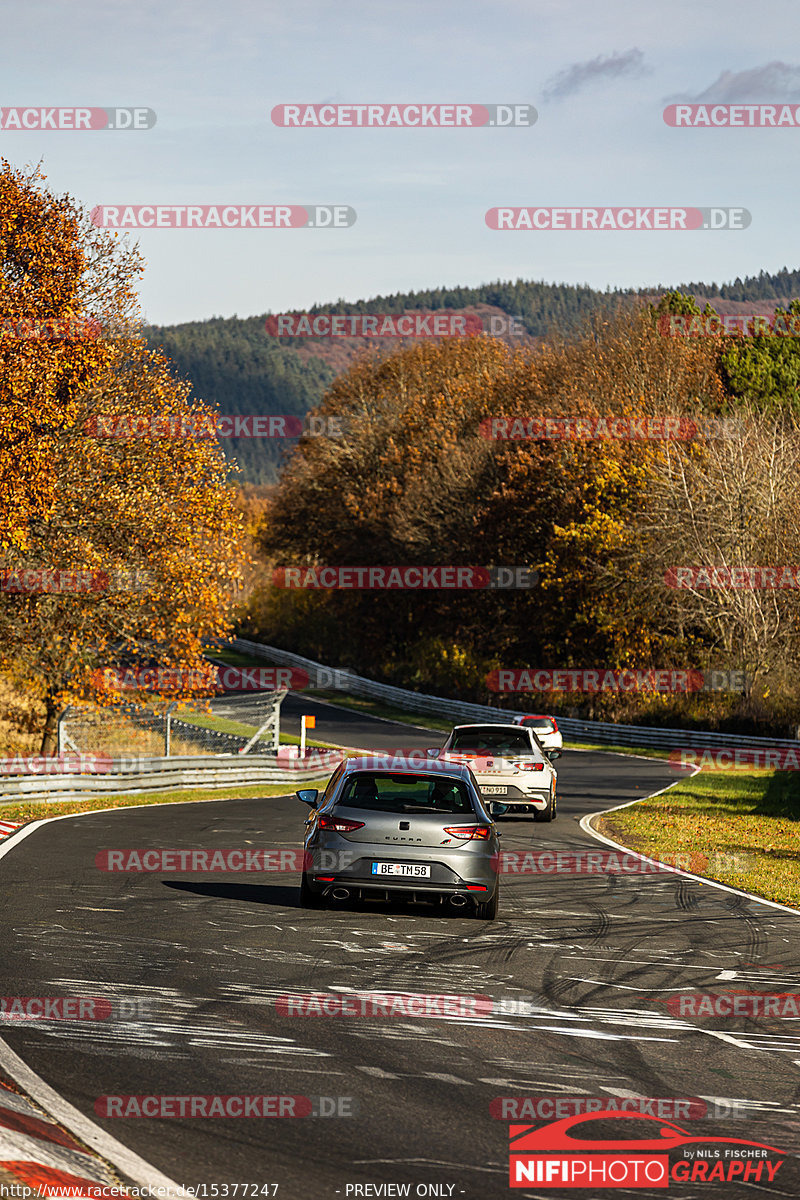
column 37, row 1153
column 7, row 827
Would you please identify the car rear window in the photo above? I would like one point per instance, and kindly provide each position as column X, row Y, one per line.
column 405, row 793
column 496, row 741
column 540, row 724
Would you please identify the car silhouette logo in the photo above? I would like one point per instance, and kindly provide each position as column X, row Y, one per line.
column 556, row 1136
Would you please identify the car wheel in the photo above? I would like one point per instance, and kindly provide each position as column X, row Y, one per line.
column 488, row 911
column 309, row 899
column 549, row 813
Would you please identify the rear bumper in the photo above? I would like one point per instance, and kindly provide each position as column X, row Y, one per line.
column 515, row 796
column 420, row 890
column 451, row 867
column 452, row 872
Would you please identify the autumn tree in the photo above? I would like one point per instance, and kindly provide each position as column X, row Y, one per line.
column 99, row 475
column 418, row 479
column 721, row 508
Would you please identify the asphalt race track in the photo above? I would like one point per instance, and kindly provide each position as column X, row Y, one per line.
column 203, row 958
column 342, row 726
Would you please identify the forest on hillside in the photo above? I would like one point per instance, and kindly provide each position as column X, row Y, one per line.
column 604, row 522
column 234, row 365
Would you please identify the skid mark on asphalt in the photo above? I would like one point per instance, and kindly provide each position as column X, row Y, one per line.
column 170, row 1040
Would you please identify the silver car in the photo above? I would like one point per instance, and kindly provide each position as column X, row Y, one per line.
column 419, row 832
column 513, row 771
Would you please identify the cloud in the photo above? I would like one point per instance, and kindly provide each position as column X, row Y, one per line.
column 774, row 81
column 578, row 75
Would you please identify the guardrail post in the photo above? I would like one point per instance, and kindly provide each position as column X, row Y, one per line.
column 168, row 729
column 61, row 734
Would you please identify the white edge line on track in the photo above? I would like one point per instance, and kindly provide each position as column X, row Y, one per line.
column 114, row 1152
column 586, row 826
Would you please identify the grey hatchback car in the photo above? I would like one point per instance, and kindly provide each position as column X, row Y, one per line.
column 422, row 833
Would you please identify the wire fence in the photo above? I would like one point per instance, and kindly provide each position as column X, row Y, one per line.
column 129, row 729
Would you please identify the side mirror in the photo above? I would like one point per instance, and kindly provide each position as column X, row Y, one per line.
column 308, row 796
column 433, row 752
column 551, row 754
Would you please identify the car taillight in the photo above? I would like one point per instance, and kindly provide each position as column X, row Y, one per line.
column 340, row 824
column 555, row 726
column 469, row 833
column 531, row 766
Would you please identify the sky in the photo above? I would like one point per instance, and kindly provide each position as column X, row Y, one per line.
column 599, row 77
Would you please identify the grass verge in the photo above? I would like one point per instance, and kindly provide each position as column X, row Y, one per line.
column 632, row 751
column 740, row 829
column 238, row 728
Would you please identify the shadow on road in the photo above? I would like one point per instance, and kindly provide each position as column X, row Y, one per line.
column 284, row 896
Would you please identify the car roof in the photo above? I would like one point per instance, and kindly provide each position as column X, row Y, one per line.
column 431, row 766
column 488, row 725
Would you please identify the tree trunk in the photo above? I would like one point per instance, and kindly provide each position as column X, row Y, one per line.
column 49, row 744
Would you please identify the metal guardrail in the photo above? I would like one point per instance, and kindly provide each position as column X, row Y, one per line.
column 166, row 774
column 461, row 711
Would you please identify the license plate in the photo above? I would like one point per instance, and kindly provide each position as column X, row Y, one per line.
column 495, row 791
column 417, row 870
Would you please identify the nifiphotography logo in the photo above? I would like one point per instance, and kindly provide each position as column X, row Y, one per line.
column 653, row 1153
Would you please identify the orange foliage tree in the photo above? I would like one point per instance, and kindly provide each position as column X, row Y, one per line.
column 416, row 480
column 148, row 521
